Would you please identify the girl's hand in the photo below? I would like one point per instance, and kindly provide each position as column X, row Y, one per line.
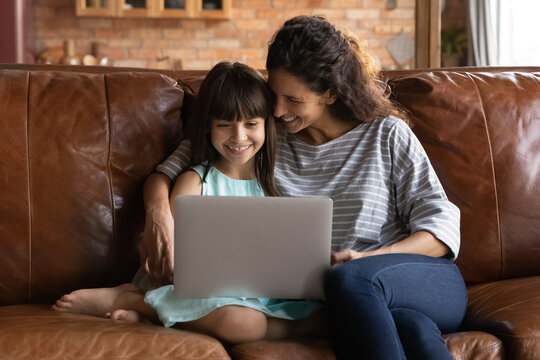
column 346, row 255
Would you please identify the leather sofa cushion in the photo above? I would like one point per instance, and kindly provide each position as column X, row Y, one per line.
column 37, row 332
column 75, row 151
column 510, row 310
column 480, row 131
column 283, row 349
column 472, row 345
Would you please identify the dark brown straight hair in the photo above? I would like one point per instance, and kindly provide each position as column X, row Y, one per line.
column 234, row 92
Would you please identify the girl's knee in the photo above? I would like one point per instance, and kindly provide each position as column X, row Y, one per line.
column 236, row 324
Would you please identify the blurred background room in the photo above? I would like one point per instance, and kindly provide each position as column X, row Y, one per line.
column 195, row 34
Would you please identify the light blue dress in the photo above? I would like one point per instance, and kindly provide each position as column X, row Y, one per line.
column 172, row 309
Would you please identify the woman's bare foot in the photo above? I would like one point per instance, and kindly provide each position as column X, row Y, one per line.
column 97, row 302
column 125, row 315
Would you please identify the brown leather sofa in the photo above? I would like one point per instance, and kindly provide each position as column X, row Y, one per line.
column 78, row 142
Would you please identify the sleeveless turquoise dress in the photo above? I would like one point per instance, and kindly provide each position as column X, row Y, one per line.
column 172, row 309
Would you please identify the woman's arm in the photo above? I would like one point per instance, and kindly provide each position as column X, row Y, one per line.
column 155, row 249
column 421, row 242
column 156, row 246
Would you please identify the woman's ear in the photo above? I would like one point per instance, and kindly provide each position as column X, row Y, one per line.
column 329, row 97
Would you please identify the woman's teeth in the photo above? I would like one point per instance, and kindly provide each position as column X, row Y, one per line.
column 288, row 119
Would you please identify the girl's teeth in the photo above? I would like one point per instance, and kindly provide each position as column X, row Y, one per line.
column 240, row 148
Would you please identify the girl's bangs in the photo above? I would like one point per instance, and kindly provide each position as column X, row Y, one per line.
column 236, row 102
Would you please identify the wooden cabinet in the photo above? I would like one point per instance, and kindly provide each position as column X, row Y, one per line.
column 205, row 9
column 135, row 8
column 216, row 9
column 95, row 7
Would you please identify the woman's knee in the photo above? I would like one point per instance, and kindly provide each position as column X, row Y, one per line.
column 415, row 323
column 346, row 278
column 237, row 324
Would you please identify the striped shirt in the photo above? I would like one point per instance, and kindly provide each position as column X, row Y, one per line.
column 379, row 177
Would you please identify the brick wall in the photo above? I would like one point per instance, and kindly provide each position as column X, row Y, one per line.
column 454, row 14
column 199, row 44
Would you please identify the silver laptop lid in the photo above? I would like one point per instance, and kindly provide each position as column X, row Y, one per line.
column 276, row 247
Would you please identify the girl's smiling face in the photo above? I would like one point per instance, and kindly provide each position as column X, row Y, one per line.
column 237, row 142
column 295, row 104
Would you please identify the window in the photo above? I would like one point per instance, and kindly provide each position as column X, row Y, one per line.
column 517, row 32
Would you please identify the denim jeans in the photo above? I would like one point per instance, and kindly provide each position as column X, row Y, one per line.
column 395, row 306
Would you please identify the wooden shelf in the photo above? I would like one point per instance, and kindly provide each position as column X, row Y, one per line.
column 201, row 9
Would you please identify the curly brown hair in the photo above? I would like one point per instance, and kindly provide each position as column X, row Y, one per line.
column 327, row 58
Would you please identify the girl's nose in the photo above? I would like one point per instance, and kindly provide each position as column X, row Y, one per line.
column 239, row 131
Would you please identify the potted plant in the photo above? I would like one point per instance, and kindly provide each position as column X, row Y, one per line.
column 453, row 45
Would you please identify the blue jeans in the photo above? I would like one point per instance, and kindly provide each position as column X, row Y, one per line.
column 395, row 306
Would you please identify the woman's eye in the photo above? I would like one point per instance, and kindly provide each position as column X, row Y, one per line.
column 294, row 101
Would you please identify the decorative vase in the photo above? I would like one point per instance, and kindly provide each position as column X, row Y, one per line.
column 69, row 57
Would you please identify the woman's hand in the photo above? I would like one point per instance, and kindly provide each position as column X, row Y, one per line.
column 346, row 255
column 421, row 242
column 157, row 246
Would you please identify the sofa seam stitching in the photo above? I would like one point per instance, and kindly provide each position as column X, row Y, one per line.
column 29, row 186
column 109, row 141
column 494, row 177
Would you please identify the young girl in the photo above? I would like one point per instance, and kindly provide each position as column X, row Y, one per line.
column 234, row 150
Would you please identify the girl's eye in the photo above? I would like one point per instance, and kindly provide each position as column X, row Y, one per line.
column 252, row 124
column 224, row 124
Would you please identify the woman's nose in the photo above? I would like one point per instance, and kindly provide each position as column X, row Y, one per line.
column 279, row 108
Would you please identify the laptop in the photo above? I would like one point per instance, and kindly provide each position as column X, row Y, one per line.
column 274, row 247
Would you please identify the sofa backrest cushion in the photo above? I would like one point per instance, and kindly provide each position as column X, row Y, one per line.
column 481, row 131
column 75, row 151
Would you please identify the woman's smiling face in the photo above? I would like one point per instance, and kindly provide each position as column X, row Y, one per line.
column 295, row 105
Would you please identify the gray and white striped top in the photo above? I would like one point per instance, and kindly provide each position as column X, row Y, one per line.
column 379, row 177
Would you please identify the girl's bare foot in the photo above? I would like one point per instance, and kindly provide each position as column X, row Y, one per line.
column 125, row 315
column 97, row 302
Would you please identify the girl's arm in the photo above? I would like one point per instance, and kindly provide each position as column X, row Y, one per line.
column 188, row 183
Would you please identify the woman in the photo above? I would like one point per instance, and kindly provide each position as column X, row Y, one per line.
column 394, row 287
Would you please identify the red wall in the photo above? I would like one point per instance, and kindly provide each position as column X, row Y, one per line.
column 7, row 32
column 15, row 26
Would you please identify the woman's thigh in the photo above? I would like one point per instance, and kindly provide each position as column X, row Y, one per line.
column 432, row 286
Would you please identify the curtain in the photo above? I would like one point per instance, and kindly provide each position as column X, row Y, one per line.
column 482, row 33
